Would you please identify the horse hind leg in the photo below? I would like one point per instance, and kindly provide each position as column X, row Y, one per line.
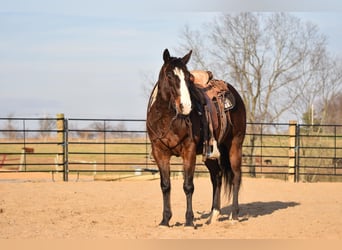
column 235, row 155
column 214, row 216
column 216, row 180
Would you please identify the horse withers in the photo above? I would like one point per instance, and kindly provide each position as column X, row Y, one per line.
column 175, row 128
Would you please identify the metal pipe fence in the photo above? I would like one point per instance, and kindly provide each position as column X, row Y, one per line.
column 289, row 151
column 28, row 144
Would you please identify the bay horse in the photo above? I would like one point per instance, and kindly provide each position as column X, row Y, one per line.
column 174, row 128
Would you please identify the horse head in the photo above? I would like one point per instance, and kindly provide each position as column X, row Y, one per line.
column 173, row 82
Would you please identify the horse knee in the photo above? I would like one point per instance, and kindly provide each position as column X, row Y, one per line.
column 188, row 188
column 165, row 186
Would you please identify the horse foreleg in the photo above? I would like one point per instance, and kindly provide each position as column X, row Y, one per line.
column 216, row 180
column 165, row 185
column 188, row 186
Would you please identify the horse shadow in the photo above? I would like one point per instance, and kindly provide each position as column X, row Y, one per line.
column 252, row 210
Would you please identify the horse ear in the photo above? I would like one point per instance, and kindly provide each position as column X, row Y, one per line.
column 186, row 58
column 166, row 55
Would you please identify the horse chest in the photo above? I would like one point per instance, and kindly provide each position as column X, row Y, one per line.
column 177, row 136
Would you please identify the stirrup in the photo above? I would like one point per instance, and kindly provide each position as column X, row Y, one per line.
column 214, row 153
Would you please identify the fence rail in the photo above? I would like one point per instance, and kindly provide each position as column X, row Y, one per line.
column 289, row 151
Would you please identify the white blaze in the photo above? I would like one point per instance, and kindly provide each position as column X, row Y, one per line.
column 185, row 99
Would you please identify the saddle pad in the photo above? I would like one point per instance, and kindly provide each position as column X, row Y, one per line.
column 201, row 77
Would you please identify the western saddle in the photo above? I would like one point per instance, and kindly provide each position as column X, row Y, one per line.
column 217, row 101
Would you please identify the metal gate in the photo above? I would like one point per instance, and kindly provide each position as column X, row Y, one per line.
column 289, row 151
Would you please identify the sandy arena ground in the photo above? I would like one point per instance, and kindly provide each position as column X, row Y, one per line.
column 131, row 209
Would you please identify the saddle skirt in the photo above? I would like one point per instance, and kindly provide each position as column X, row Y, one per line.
column 220, row 99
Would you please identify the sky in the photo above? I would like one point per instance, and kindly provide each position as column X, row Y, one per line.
column 90, row 59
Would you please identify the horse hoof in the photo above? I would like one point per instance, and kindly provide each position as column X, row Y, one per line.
column 164, row 225
column 234, row 217
column 213, row 216
column 189, row 225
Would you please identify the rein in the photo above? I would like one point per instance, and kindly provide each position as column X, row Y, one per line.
column 162, row 136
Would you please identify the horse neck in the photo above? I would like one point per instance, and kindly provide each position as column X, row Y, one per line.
column 162, row 120
column 165, row 108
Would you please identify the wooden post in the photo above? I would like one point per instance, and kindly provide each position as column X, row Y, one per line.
column 61, row 142
column 292, row 151
column 22, row 160
column 24, row 151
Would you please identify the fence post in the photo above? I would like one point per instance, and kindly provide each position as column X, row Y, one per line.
column 61, row 144
column 292, row 151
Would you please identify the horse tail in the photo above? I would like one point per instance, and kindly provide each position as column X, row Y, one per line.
column 235, row 137
column 229, row 177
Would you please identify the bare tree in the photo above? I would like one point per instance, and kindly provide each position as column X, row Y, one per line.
column 148, row 83
column 270, row 58
column 46, row 125
column 322, row 84
column 9, row 128
column 118, row 131
column 330, row 79
column 333, row 111
column 266, row 56
column 101, row 128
